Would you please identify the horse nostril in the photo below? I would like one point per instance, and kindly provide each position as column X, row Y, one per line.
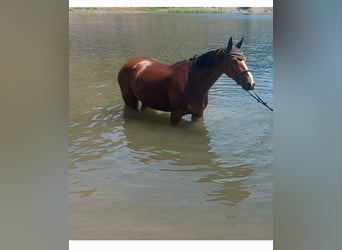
column 251, row 85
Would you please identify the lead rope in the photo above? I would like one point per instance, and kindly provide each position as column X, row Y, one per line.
column 256, row 97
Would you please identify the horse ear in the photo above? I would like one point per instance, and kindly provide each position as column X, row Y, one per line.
column 238, row 45
column 230, row 44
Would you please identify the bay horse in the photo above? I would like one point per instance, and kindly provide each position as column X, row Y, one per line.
column 182, row 88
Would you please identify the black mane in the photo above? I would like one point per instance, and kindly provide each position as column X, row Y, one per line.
column 205, row 60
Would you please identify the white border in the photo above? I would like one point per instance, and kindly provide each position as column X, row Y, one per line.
column 168, row 3
column 165, row 245
column 171, row 245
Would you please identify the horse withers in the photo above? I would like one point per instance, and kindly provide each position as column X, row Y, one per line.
column 182, row 88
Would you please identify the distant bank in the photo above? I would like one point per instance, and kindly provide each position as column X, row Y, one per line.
column 242, row 10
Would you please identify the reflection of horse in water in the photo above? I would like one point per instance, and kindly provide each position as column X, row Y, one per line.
column 185, row 145
column 184, row 148
column 181, row 88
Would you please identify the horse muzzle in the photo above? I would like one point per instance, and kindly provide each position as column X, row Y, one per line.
column 246, row 80
column 248, row 85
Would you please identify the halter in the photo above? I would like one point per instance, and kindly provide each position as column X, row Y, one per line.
column 242, row 72
column 238, row 54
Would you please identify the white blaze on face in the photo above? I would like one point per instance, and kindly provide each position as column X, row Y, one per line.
column 141, row 66
column 249, row 73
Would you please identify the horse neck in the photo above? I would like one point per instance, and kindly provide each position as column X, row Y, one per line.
column 201, row 80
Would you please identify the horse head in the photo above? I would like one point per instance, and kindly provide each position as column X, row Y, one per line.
column 236, row 65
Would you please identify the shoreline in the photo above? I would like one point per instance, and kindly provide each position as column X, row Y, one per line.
column 233, row 10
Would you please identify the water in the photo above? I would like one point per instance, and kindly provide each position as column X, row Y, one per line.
column 132, row 174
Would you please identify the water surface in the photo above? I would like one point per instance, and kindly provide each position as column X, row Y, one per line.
column 132, row 174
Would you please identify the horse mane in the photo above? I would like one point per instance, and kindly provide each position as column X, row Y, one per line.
column 205, row 60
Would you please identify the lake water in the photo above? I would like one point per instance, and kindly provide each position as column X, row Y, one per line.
column 132, row 174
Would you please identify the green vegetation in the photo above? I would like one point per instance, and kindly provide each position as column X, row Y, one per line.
column 186, row 10
column 241, row 10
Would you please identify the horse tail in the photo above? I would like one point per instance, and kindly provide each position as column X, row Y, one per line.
column 126, row 90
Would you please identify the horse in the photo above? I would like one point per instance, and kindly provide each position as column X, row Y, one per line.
column 182, row 88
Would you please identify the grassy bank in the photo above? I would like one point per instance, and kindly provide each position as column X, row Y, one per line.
column 210, row 10
column 186, row 10
column 242, row 10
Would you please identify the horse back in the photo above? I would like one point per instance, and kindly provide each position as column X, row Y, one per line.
column 156, row 84
column 149, row 80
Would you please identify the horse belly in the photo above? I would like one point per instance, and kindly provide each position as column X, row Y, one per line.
column 157, row 104
column 152, row 89
column 151, row 83
column 155, row 98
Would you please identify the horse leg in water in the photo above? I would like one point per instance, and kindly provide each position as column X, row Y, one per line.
column 176, row 116
column 143, row 106
column 198, row 115
column 127, row 94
